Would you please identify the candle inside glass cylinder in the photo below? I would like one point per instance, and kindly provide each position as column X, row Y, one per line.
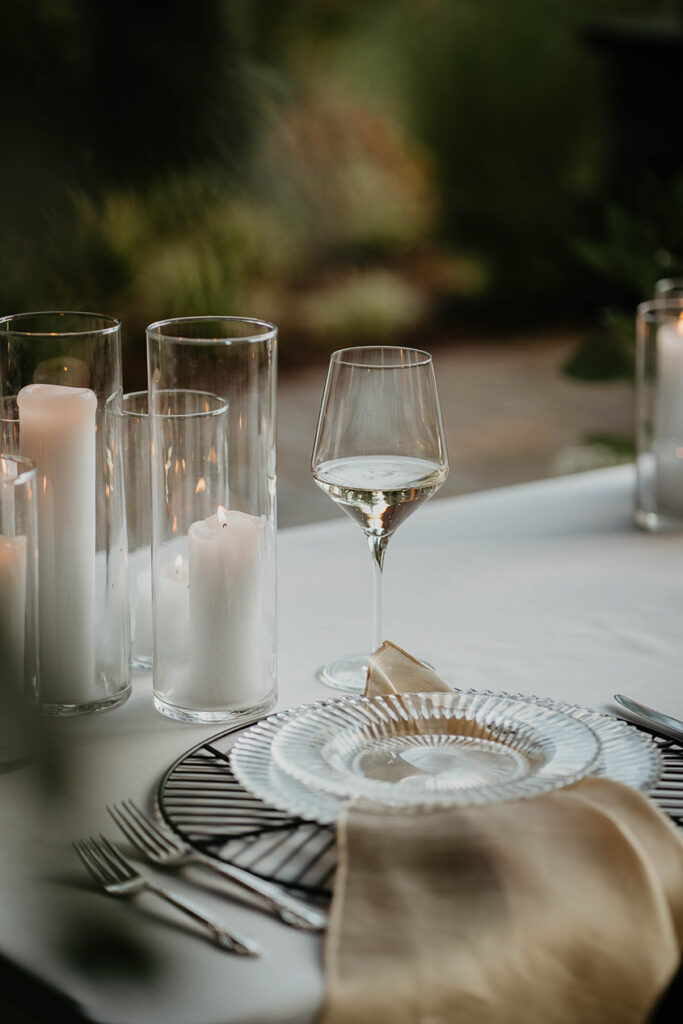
column 57, row 431
column 229, row 647
column 668, row 443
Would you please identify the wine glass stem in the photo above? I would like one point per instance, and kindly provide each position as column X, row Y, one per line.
column 378, row 546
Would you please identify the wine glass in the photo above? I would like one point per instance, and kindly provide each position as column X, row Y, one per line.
column 379, row 453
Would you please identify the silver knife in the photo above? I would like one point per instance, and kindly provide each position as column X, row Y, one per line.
column 662, row 724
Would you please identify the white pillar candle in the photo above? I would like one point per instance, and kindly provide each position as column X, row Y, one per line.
column 12, row 610
column 668, row 444
column 669, row 404
column 57, row 431
column 229, row 645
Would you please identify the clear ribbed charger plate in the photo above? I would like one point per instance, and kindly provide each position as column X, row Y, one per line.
column 417, row 750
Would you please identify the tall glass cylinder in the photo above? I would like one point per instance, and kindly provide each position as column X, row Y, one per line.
column 211, row 383
column 57, row 372
column 19, row 681
column 659, row 414
column 130, row 424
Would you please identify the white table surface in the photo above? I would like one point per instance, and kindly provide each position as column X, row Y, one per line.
column 543, row 589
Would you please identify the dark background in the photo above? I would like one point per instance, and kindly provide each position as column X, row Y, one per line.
column 407, row 169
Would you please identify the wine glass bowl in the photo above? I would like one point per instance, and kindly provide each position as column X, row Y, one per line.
column 379, row 453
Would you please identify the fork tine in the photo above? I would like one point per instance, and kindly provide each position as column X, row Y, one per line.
column 90, row 865
column 130, row 829
column 101, row 862
column 149, row 832
column 103, row 870
column 164, row 841
column 119, row 864
column 150, row 827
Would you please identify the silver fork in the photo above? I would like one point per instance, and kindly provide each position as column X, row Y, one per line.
column 116, row 875
column 169, row 851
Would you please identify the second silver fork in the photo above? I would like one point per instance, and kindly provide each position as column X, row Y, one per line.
column 116, row 875
column 166, row 850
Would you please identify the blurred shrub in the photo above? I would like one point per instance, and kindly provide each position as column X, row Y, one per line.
column 633, row 250
column 102, row 103
column 339, row 166
column 329, row 186
column 344, row 180
column 511, row 106
column 374, row 305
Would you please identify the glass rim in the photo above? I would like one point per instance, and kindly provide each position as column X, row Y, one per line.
column 671, row 279
column 222, row 404
column 268, row 331
column 221, row 407
column 28, row 471
column 112, row 325
column 652, row 309
column 344, row 357
column 123, row 395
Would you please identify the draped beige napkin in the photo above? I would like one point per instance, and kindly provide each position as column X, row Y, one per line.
column 566, row 908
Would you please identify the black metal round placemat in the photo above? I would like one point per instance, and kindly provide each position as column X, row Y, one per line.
column 200, row 799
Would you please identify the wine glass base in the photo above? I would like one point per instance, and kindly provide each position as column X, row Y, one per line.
column 348, row 674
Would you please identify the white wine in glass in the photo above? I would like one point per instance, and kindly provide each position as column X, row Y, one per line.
column 379, row 453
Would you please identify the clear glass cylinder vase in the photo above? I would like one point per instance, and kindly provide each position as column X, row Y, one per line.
column 19, row 679
column 659, row 414
column 58, row 371
column 130, row 425
column 211, row 383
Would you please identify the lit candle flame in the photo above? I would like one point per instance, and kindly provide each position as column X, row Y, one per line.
column 178, row 564
column 222, row 514
column 201, row 486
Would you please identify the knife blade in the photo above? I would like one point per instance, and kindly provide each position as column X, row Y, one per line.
column 663, row 725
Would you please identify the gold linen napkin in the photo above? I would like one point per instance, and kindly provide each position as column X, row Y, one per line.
column 566, row 908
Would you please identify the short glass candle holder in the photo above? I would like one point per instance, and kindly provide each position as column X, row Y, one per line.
column 659, row 414
column 212, row 417
column 57, row 372
column 129, row 421
column 19, row 680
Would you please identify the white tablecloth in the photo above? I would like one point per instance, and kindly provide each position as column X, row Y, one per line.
column 543, row 589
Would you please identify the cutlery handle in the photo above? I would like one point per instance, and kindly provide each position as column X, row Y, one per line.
column 289, row 909
column 226, row 940
column 661, row 724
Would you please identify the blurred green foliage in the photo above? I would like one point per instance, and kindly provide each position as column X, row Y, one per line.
column 348, row 170
column 637, row 246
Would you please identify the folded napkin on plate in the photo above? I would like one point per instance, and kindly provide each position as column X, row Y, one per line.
column 565, row 908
